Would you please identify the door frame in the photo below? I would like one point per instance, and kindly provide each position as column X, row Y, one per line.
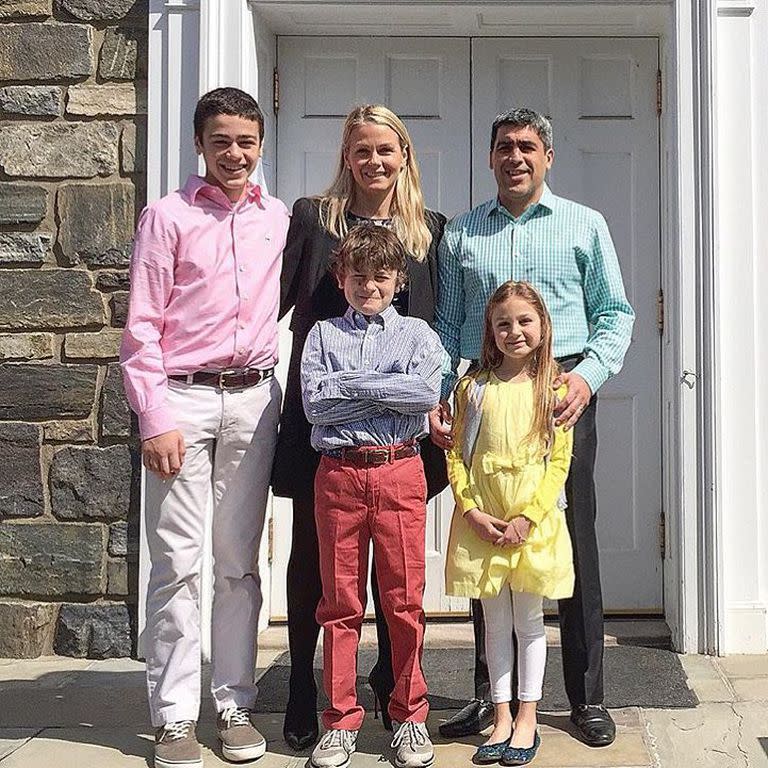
column 233, row 42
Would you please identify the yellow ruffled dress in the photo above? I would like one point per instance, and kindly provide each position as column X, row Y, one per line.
column 507, row 478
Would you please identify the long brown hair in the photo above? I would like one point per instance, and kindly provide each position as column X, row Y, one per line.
column 542, row 365
column 408, row 219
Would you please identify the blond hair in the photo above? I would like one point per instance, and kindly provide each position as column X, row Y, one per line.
column 408, row 218
column 542, row 365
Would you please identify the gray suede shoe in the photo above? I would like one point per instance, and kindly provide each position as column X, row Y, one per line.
column 176, row 746
column 239, row 739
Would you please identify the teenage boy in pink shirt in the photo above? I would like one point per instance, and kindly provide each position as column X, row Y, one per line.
column 198, row 355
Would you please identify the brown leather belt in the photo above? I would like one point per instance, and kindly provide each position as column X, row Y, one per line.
column 376, row 456
column 232, row 379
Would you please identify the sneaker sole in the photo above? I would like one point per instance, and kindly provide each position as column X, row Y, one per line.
column 159, row 762
column 241, row 754
column 412, row 765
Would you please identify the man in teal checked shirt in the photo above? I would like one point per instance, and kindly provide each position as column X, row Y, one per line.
column 565, row 250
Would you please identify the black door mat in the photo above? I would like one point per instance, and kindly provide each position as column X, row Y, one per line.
column 634, row 677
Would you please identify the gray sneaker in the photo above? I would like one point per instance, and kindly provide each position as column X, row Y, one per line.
column 334, row 750
column 413, row 745
column 239, row 739
column 176, row 746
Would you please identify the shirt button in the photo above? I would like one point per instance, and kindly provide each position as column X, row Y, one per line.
column 242, row 326
column 241, row 269
column 242, row 350
column 245, row 297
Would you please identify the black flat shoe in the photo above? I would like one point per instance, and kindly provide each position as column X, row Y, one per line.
column 469, row 720
column 381, row 695
column 594, row 724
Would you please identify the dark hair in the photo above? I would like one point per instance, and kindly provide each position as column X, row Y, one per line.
column 524, row 118
column 369, row 248
column 227, row 101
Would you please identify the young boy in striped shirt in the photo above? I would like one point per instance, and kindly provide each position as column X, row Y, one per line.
column 369, row 379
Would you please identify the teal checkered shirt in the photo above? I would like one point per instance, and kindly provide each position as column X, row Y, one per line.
column 565, row 250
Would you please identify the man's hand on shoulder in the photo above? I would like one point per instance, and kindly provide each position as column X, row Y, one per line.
column 568, row 410
column 164, row 454
column 441, row 425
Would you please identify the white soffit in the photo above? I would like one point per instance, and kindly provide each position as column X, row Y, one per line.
column 501, row 19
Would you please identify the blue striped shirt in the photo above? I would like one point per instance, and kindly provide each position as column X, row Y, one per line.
column 370, row 381
column 565, row 250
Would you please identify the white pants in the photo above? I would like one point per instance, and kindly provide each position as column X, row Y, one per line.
column 525, row 615
column 230, row 441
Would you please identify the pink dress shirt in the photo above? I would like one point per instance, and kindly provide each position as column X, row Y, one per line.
column 205, row 291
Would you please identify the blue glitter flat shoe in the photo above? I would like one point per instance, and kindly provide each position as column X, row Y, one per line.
column 490, row 753
column 521, row 755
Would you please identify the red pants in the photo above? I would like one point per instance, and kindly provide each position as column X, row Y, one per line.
column 352, row 506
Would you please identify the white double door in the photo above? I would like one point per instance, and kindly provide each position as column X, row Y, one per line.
column 600, row 95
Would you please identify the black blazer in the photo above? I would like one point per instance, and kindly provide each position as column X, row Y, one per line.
column 309, row 288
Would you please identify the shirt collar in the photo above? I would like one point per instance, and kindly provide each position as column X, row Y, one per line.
column 196, row 184
column 546, row 202
column 358, row 320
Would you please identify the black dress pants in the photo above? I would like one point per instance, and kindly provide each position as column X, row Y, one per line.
column 304, row 593
column 581, row 616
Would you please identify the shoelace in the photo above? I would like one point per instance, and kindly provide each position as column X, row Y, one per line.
column 178, row 730
column 411, row 734
column 336, row 737
column 233, row 716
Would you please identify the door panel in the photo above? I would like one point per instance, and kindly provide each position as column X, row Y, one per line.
column 426, row 82
column 600, row 95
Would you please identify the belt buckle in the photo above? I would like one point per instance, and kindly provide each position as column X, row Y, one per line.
column 382, row 453
column 223, row 374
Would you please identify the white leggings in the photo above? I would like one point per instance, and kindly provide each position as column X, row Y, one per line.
column 525, row 615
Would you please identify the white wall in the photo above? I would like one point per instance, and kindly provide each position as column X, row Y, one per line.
column 743, row 355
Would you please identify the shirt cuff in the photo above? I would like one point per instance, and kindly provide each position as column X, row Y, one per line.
column 534, row 513
column 593, row 372
column 155, row 421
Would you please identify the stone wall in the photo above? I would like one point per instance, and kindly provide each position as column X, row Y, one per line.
column 72, row 131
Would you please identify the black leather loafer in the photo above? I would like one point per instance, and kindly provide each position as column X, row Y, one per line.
column 300, row 727
column 469, row 720
column 595, row 724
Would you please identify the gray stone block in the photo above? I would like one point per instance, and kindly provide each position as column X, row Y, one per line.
column 52, row 559
column 118, row 306
column 22, row 203
column 30, row 391
column 70, row 431
column 118, row 54
column 50, row 298
column 12, row 8
column 91, row 482
column 102, row 345
column 24, row 247
column 94, row 631
column 98, row 10
column 118, row 539
column 115, row 412
column 37, row 100
column 92, row 99
column 117, row 578
column 34, row 51
column 96, row 223
column 26, row 629
column 21, row 485
column 25, row 346
column 113, row 281
column 59, row 150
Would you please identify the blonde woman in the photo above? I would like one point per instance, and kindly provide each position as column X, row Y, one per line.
column 377, row 180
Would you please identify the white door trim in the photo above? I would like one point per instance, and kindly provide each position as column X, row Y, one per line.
column 687, row 31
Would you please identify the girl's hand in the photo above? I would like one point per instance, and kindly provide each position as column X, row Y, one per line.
column 487, row 527
column 516, row 532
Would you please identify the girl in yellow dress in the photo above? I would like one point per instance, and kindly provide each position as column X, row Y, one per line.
column 507, row 471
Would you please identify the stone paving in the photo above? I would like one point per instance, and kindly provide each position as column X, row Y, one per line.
column 74, row 713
